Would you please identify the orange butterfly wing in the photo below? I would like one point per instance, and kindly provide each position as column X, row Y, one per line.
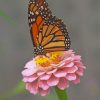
column 37, row 14
column 53, row 37
column 48, row 33
column 36, row 26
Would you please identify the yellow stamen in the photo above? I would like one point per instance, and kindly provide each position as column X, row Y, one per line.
column 54, row 55
column 41, row 60
column 46, row 61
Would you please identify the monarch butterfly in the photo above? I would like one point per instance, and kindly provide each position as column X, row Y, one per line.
column 49, row 34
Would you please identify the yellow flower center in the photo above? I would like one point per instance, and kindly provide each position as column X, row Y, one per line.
column 45, row 61
column 41, row 60
column 54, row 55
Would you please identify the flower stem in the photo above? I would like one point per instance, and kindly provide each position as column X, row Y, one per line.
column 62, row 95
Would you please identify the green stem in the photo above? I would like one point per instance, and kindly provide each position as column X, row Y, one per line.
column 62, row 95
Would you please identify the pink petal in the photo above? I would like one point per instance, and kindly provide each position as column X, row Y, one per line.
column 30, row 87
column 53, row 81
column 43, row 85
column 34, row 88
column 68, row 53
column 52, row 71
column 30, row 65
column 61, row 64
column 45, row 77
column 28, row 72
column 30, row 78
column 83, row 67
column 78, row 63
column 69, row 59
column 77, row 81
column 25, row 79
column 63, row 84
column 80, row 71
column 69, row 65
column 33, row 91
column 71, row 69
column 40, row 73
column 66, row 61
column 77, row 58
column 44, row 92
column 71, row 77
column 60, row 73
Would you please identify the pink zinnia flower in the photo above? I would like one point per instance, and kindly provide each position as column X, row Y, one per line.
column 53, row 69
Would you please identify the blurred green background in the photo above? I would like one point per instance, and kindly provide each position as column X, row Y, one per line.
column 82, row 18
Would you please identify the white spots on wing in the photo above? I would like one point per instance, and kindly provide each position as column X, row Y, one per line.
column 36, row 12
column 37, row 5
column 44, row 15
column 45, row 18
column 41, row 7
column 45, row 8
column 31, row 20
column 41, row 13
column 68, row 45
column 68, row 39
column 32, row 13
column 32, row 2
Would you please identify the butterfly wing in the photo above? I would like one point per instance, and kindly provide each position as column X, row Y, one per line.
column 53, row 36
column 38, row 13
column 49, row 34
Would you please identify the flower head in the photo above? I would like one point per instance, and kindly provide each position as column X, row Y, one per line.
column 53, row 69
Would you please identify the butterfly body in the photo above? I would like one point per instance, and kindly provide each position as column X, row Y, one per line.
column 49, row 34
